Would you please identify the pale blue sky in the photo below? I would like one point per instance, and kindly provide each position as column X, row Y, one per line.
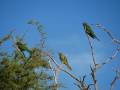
column 62, row 20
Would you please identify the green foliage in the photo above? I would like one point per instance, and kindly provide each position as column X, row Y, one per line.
column 40, row 30
column 19, row 72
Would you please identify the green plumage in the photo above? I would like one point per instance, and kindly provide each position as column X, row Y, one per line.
column 23, row 47
column 64, row 60
column 89, row 31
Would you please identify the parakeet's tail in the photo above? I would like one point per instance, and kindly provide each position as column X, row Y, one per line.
column 97, row 38
column 69, row 67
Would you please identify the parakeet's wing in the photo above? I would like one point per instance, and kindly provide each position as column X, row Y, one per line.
column 22, row 46
column 89, row 31
column 64, row 60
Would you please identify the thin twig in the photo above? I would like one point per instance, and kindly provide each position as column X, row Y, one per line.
column 58, row 71
column 111, row 58
column 113, row 82
column 108, row 60
column 92, row 52
column 117, row 76
column 116, row 41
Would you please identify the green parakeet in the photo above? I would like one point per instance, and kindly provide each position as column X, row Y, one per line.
column 63, row 59
column 23, row 47
column 89, row 31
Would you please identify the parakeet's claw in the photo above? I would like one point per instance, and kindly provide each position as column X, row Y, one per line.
column 69, row 67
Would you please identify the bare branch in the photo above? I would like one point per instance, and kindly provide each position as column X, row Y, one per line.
column 117, row 77
column 71, row 75
column 94, row 62
column 54, row 73
column 92, row 52
column 82, row 85
column 109, row 33
column 113, row 82
column 114, row 40
column 109, row 59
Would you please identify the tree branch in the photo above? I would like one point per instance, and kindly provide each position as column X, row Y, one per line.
column 117, row 77
column 94, row 62
column 71, row 75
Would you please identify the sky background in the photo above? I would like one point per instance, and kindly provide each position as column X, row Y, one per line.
column 62, row 20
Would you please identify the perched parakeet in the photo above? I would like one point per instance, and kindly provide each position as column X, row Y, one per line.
column 63, row 59
column 23, row 47
column 89, row 31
